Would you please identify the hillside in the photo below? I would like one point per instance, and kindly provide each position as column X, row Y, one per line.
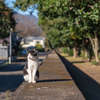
column 27, row 25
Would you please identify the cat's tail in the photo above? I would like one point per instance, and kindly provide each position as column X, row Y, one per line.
column 26, row 77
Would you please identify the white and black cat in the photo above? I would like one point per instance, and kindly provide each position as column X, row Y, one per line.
column 31, row 67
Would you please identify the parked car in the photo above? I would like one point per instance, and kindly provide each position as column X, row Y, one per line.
column 31, row 47
column 24, row 52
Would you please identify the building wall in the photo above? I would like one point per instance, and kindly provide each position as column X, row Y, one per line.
column 33, row 43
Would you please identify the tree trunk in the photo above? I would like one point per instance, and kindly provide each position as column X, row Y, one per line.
column 96, row 49
column 75, row 52
column 68, row 48
column 89, row 54
column 86, row 53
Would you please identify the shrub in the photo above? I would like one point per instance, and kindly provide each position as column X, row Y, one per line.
column 39, row 47
column 71, row 52
column 83, row 56
column 6, row 63
column 94, row 63
column 64, row 50
column 99, row 57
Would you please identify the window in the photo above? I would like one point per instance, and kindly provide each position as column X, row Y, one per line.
column 38, row 41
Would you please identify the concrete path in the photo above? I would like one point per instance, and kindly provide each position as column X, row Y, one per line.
column 55, row 83
column 11, row 76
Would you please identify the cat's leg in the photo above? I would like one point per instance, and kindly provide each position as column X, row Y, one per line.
column 33, row 76
column 30, row 76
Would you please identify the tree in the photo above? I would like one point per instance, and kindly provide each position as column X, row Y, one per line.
column 6, row 20
column 82, row 20
column 26, row 25
column 87, row 17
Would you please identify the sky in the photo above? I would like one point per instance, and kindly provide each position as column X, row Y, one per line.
column 10, row 5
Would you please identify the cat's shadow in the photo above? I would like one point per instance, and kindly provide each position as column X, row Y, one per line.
column 55, row 80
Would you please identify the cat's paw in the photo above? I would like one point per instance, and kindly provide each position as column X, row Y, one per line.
column 29, row 81
column 33, row 81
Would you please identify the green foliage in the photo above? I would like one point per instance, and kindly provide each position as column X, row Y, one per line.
column 94, row 63
column 66, row 22
column 64, row 50
column 39, row 47
column 71, row 52
column 82, row 55
column 6, row 20
column 99, row 57
column 6, row 63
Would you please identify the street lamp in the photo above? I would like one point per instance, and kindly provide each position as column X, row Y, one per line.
column 10, row 45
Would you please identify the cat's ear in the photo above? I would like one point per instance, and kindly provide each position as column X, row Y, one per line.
column 34, row 49
column 27, row 50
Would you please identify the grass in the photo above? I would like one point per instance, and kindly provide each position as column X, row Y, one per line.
column 64, row 54
column 6, row 63
column 7, row 95
column 78, row 60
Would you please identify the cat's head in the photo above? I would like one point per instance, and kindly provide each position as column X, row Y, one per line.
column 32, row 52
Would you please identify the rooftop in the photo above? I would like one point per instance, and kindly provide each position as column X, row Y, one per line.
column 31, row 38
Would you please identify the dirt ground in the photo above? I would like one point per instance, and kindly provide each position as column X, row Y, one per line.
column 91, row 70
column 86, row 76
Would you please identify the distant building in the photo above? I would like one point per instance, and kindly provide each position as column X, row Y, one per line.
column 32, row 41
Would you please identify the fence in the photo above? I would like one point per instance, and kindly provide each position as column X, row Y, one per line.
column 4, row 54
column 4, row 51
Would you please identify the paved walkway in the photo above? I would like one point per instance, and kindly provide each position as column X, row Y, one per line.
column 11, row 76
column 55, row 83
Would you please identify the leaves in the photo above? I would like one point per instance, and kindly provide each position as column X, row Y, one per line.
column 6, row 20
column 66, row 20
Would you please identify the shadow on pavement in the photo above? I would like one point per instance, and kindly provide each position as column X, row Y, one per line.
column 12, row 67
column 11, row 77
column 54, row 80
column 10, row 82
column 88, row 86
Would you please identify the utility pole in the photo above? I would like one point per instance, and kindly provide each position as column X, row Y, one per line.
column 10, row 45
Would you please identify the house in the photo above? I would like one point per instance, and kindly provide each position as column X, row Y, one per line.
column 32, row 41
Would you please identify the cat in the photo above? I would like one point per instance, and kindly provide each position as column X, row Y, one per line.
column 31, row 67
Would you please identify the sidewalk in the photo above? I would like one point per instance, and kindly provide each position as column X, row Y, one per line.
column 55, row 83
column 11, row 76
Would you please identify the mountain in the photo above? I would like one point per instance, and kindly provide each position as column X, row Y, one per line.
column 27, row 25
